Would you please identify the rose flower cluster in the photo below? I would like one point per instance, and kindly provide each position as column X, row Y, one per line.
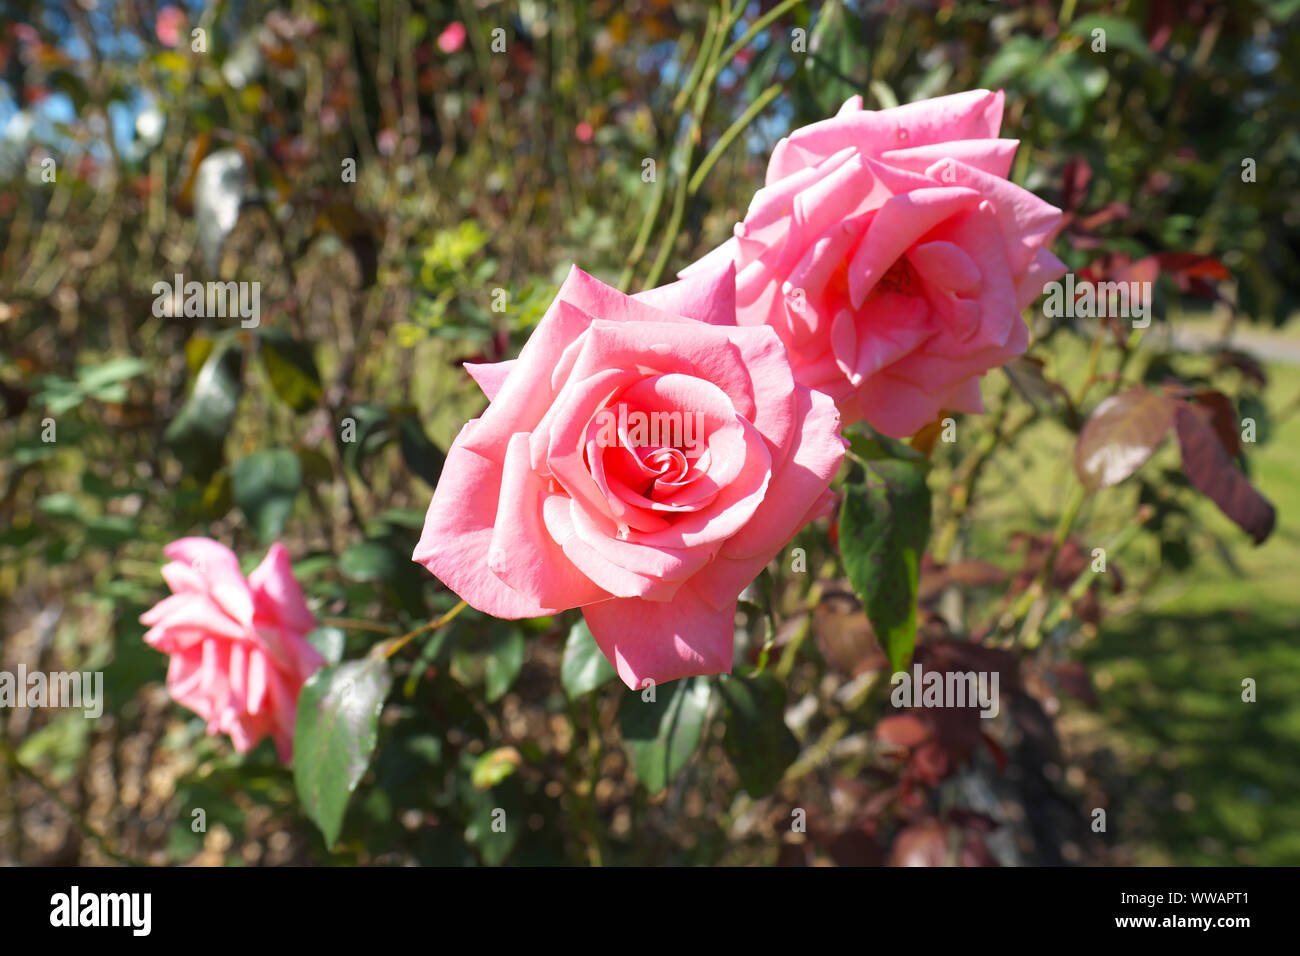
column 877, row 275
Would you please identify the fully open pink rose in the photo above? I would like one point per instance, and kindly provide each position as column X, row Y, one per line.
column 893, row 257
column 238, row 653
column 559, row 496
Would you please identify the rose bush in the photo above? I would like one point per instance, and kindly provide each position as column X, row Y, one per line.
column 237, row 647
column 535, row 514
column 892, row 255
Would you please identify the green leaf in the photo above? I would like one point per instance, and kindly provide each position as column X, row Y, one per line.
column 335, row 736
column 1257, row 412
column 1119, row 34
column 867, row 445
column 329, row 641
column 662, row 734
column 884, row 524
column 493, row 653
column 198, row 432
column 366, row 428
column 493, row 816
column 420, row 454
column 1059, row 95
column 291, row 369
column 264, row 486
column 493, row 767
column 504, row 661
column 369, row 561
column 584, row 667
column 93, row 381
column 1013, row 57
column 60, row 504
column 758, row 743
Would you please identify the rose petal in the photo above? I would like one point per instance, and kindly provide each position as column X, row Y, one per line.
column 647, row 640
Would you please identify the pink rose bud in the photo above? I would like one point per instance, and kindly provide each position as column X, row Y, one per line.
column 168, row 25
column 453, row 38
column 643, row 458
column 238, row 651
column 892, row 256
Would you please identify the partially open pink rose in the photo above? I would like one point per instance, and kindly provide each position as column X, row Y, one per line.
column 893, row 257
column 560, row 497
column 238, row 653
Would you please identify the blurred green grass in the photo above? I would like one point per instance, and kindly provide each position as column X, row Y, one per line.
column 1215, row 779
column 1195, row 775
column 1200, row 776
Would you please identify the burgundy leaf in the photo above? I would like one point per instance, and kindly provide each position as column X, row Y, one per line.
column 1223, row 416
column 1211, row 470
column 1073, row 676
column 902, row 730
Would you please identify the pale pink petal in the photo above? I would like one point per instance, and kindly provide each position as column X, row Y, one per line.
column 219, row 568
column 458, row 533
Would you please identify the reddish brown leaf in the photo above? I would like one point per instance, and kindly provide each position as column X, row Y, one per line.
column 1120, row 435
column 855, row 848
column 844, row 635
column 1074, row 187
column 1073, row 676
column 1191, row 265
column 1223, row 416
column 966, row 574
column 902, row 730
column 1209, row 468
column 975, row 852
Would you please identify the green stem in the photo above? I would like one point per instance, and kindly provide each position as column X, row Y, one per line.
column 389, row 648
column 712, row 37
column 755, row 29
column 1030, row 633
column 734, row 130
column 1061, row 608
column 692, row 80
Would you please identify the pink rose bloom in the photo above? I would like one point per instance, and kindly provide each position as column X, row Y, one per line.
column 893, row 257
column 552, row 500
column 238, row 651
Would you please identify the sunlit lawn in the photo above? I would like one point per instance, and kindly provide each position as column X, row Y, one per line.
column 1194, row 774
column 1215, row 779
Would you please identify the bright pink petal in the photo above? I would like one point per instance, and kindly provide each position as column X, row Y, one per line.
column 708, row 295
column 277, row 590
column 490, row 376
column 648, row 640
